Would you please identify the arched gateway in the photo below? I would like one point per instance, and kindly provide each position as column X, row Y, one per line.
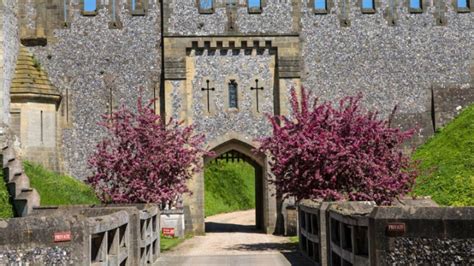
column 265, row 201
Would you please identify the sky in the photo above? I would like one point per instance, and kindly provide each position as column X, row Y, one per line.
column 90, row 5
column 415, row 3
column 462, row 3
column 368, row 4
column 320, row 4
column 206, row 4
column 254, row 3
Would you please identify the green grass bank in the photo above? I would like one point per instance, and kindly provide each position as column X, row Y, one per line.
column 6, row 209
column 447, row 163
column 56, row 189
column 229, row 187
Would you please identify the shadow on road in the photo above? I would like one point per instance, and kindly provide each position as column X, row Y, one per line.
column 296, row 258
column 212, row 227
column 281, row 247
column 288, row 250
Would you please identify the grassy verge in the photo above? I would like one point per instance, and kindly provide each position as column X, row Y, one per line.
column 167, row 243
column 6, row 209
column 229, row 187
column 56, row 189
column 294, row 239
column 447, row 163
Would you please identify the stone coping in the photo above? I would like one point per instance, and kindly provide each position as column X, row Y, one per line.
column 77, row 208
column 108, row 222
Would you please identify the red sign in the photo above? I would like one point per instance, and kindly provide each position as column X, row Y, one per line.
column 396, row 229
column 168, row 231
column 62, row 236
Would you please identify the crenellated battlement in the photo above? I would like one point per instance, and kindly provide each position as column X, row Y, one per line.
column 39, row 19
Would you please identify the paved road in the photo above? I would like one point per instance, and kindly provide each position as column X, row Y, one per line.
column 231, row 239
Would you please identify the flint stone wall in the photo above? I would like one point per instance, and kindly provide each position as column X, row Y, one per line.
column 182, row 17
column 358, row 233
column 9, row 45
column 390, row 65
column 443, row 235
column 244, row 68
column 392, row 56
column 31, row 239
column 90, row 60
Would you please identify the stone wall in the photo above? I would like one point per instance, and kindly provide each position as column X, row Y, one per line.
column 412, row 232
column 182, row 17
column 220, row 67
column 82, row 235
column 392, row 56
column 9, row 45
column 93, row 60
column 416, row 251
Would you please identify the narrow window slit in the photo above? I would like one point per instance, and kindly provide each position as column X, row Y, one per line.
column 233, row 97
column 41, row 124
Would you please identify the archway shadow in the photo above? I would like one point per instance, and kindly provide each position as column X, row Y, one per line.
column 213, row 227
column 288, row 250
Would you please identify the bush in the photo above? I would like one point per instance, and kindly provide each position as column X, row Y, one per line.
column 343, row 153
column 143, row 159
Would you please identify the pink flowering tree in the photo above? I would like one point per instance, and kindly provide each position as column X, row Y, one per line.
column 143, row 159
column 337, row 153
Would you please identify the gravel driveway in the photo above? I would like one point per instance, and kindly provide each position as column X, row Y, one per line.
column 231, row 239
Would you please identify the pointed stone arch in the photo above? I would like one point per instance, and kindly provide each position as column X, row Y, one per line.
column 265, row 200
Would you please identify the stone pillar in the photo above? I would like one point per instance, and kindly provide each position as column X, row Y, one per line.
column 194, row 206
column 270, row 201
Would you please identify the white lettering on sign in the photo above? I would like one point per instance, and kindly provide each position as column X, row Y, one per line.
column 62, row 236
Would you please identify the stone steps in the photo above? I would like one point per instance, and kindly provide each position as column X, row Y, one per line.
column 24, row 198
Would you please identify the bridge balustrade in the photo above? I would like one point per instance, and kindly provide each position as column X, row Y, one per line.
column 109, row 239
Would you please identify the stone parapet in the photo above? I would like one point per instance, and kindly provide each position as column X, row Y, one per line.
column 412, row 232
column 83, row 235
